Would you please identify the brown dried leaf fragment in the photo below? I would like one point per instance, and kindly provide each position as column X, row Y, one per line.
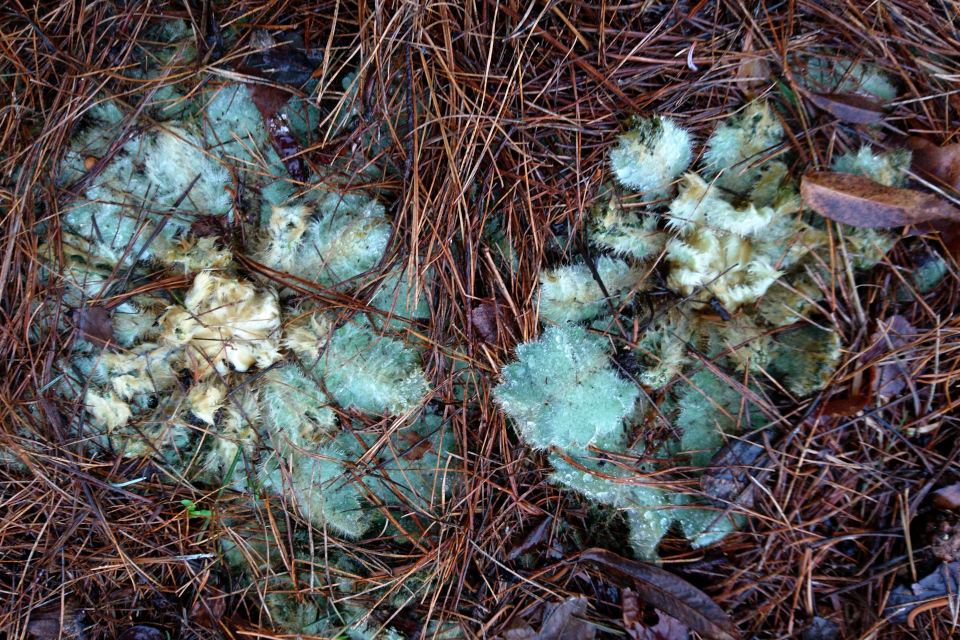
column 268, row 99
column 668, row 593
column 754, row 71
column 889, row 337
column 947, row 498
column 667, row 628
column 564, row 622
column 941, row 164
column 45, row 622
column 95, row 326
column 142, row 632
column 861, row 202
column 537, row 536
column 286, row 146
column 486, row 321
column 207, row 611
column 848, row 107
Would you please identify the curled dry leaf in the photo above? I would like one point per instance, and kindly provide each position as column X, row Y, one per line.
column 941, row 164
column 844, row 407
column 268, row 99
column 207, row 611
column 668, row 593
column 485, row 320
column 142, row 632
column 861, row 202
column 727, row 476
column 564, row 622
column 848, row 107
column 939, row 589
column 279, row 57
column 287, row 147
column 45, row 622
column 821, row 629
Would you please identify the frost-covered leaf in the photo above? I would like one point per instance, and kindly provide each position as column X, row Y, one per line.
column 889, row 169
column 650, row 155
column 563, row 392
column 371, row 372
column 572, row 294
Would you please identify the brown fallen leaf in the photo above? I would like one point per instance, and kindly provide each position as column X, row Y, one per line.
column 821, row 629
column 947, row 498
column 207, row 611
column 891, row 335
column 536, row 537
column 727, row 476
column 280, row 57
column 268, row 99
column 939, row 589
column 667, row 628
column 861, row 202
column 142, row 632
column 753, row 71
column 849, row 107
column 484, row 317
column 287, row 147
column 413, row 446
column 44, row 622
column 844, row 407
column 668, row 593
column 95, row 326
column 941, row 164
column 564, row 622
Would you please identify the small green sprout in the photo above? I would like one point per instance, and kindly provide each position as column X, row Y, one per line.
column 193, row 512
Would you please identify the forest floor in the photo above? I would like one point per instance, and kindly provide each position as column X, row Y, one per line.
column 855, row 497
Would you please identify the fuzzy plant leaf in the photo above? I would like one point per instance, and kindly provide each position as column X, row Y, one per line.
column 624, row 232
column 833, row 75
column 412, row 467
column 805, row 359
column 347, row 237
column 563, row 392
column 662, row 349
column 889, row 169
column 650, row 155
column 371, row 372
column 232, row 451
column 321, row 485
column 402, row 296
column 296, row 409
column 739, row 143
column 572, row 294
column 708, row 408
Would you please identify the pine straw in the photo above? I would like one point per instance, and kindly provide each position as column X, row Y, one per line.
column 518, row 106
